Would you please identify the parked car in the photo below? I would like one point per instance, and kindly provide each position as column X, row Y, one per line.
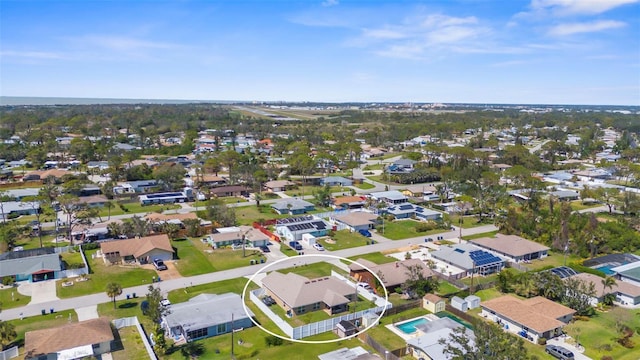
column 295, row 245
column 265, row 249
column 366, row 233
column 318, row 247
column 559, row 352
column 159, row 264
column 268, row 300
column 165, row 302
column 364, row 286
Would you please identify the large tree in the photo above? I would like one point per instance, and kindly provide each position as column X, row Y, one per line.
column 486, row 342
column 113, row 289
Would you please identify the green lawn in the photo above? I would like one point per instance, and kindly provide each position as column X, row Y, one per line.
column 72, row 259
column 132, row 343
column 102, row 274
column 134, row 208
column 39, row 322
column 344, row 239
column 195, row 257
column 219, row 287
column 247, row 215
column 578, row 205
column 312, row 271
column 480, row 235
column 468, row 221
column 600, row 332
column 34, row 242
column 376, row 257
column 446, row 288
column 364, row 186
column 554, row 259
column 8, row 301
column 403, row 229
column 488, row 294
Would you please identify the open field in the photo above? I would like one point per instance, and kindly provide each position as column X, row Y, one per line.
column 196, row 257
column 344, row 239
column 403, row 229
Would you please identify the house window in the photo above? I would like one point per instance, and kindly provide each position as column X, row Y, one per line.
column 196, row 334
column 300, row 309
column 222, row 328
column 316, row 306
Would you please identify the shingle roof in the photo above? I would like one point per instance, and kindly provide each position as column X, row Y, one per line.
column 357, row 218
column 296, row 204
column 622, row 287
column 296, row 290
column 394, row 273
column 348, row 200
column 511, row 245
column 52, row 340
column 137, row 247
column 538, row 313
column 278, row 183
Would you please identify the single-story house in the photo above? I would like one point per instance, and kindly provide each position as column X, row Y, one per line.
column 32, row 265
column 448, row 207
column 348, row 202
column 392, row 274
column 292, row 229
column 12, row 209
column 629, row 273
column 356, row 353
column 253, row 238
column 408, row 210
column 335, row 181
column 469, row 258
column 211, row 180
column 626, row 293
column 56, row 174
column 355, row 221
column 433, row 303
column 292, row 206
column 230, row 190
column 142, row 250
column 532, row 318
column 138, row 186
column 78, row 340
column 95, row 201
column 123, row 147
column 513, row 247
column 278, row 185
column 426, row 345
column 297, row 294
column 391, row 197
column 90, row 190
column 207, row 315
column 565, row 195
column 426, row 192
column 19, row 194
column 401, row 166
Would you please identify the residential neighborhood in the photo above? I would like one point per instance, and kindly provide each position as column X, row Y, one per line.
column 239, row 238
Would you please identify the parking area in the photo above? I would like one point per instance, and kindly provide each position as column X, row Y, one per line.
column 170, row 273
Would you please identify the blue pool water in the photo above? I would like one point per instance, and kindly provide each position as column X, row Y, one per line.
column 606, row 269
column 409, row 327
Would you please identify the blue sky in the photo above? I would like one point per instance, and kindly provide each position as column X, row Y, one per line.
column 479, row 51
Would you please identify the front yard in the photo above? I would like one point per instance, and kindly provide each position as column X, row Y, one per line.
column 404, row 229
column 196, row 257
column 102, row 274
column 11, row 298
column 344, row 239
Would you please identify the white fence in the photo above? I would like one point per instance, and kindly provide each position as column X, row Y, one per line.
column 10, row 353
column 73, row 272
column 133, row 321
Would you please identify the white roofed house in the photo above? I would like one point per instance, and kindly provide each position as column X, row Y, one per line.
column 292, row 206
column 470, row 259
column 355, row 221
column 207, row 315
column 293, row 228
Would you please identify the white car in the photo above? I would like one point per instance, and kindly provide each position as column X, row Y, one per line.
column 318, row 247
column 165, row 302
column 365, row 286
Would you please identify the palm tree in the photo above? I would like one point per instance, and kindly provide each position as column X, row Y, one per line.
column 109, row 205
column 114, row 289
column 607, row 282
column 7, row 333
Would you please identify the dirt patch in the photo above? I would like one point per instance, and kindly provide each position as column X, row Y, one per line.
column 170, row 273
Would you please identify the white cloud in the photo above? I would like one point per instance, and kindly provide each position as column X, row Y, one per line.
column 585, row 27
column 330, row 3
column 33, row 55
column 580, row 7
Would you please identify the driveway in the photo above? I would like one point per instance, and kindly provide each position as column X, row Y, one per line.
column 560, row 341
column 40, row 292
column 170, row 273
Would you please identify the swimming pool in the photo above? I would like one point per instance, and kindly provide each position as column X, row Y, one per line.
column 606, row 269
column 409, row 327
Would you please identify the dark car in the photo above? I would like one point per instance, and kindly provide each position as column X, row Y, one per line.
column 559, row 352
column 268, row 300
column 265, row 248
column 364, row 232
column 159, row 264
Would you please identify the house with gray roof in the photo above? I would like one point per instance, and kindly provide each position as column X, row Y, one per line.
column 335, row 181
column 401, row 166
column 391, row 197
column 513, row 247
column 32, row 265
column 355, row 221
column 207, row 315
column 298, row 295
column 470, row 259
column 292, row 206
column 11, row 209
column 19, row 194
column 565, row 195
column 409, row 210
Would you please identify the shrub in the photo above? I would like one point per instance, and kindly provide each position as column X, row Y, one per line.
column 626, row 342
column 272, row 340
column 542, row 341
column 7, row 280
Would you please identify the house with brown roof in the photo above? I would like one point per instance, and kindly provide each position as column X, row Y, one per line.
column 626, row 292
column 532, row 319
column 278, row 185
column 392, row 274
column 142, row 250
column 79, row 340
column 355, row 221
column 297, row 294
column 211, row 180
column 348, row 202
column 513, row 247
column 57, row 174
column 229, row 190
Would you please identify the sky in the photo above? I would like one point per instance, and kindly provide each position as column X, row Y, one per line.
column 464, row 51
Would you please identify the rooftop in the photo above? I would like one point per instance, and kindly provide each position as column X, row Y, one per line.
column 511, row 245
column 69, row 336
column 207, row 310
column 538, row 313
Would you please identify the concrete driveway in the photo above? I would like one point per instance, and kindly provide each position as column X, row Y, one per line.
column 40, row 292
column 577, row 353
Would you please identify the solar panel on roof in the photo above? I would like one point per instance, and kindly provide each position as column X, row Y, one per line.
column 406, row 207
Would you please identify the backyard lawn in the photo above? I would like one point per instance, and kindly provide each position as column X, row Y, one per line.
column 364, row 186
column 196, row 257
column 481, row 235
column 344, row 239
column 102, row 274
column 446, row 288
column 218, row 287
column 247, row 215
column 134, row 208
column 376, row 257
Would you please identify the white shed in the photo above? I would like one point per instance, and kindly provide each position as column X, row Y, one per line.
column 308, row 240
column 459, row 303
column 473, row 301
